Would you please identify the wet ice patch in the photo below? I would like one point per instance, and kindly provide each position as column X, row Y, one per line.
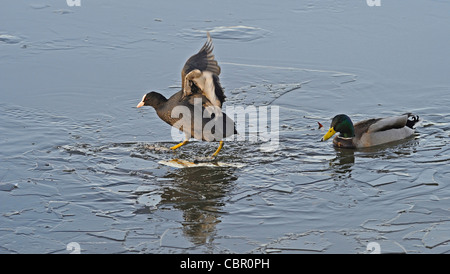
column 39, row 6
column 437, row 235
column 9, row 39
column 174, row 237
column 7, row 186
column 62, row 11
column 115, row 235
column 239, row 33
column 149, row 196
column 262, row 94
column 311, row 241
column 384, row 180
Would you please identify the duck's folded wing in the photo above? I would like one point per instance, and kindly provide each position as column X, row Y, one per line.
column 388, row 123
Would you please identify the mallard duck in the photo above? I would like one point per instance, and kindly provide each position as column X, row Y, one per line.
column 370, row 132
column 201, row 73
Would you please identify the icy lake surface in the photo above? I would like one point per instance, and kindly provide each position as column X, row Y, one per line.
column 79, row 163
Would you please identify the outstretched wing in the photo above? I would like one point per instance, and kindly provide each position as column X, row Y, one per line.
column 204, row 61
column 200, row 73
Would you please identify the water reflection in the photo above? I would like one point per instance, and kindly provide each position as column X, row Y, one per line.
column 199, row 193
column 343, row 162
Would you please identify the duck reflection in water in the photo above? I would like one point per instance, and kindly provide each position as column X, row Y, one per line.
column 343, row 162
column 199, row 193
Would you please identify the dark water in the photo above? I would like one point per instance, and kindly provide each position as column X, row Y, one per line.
column 79, row 163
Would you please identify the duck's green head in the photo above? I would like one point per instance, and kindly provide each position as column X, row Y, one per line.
column 343, row 124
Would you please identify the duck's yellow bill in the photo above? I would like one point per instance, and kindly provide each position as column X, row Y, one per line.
column 328, row 135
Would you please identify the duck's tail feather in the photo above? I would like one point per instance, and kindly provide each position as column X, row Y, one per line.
column 412, row 120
